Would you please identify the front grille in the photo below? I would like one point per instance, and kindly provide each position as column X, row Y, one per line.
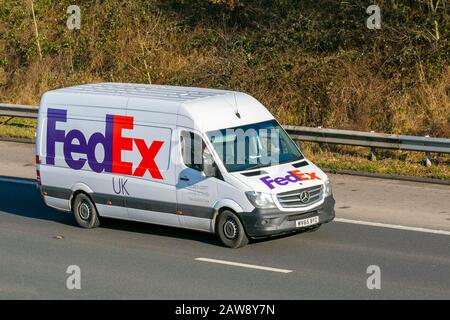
column 292, row 199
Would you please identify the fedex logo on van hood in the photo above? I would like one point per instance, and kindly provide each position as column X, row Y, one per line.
column 292, row 176
column 112, row 141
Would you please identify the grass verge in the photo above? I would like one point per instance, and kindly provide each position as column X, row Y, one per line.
column 388, row 162
column 327, row 156
column 17, row 128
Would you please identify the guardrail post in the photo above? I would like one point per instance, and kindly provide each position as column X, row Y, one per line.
column 321, row 144
column 427, row 156
column 299, row 144
column 427, row 159
column 373, row 157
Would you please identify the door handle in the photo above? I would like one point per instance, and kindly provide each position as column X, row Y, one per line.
column 184, row 178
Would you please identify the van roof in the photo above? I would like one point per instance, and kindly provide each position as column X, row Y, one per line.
column 146, row 91
column 208, row 109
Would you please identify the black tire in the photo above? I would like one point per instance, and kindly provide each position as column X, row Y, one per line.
column 85, row 212
column 231, row 231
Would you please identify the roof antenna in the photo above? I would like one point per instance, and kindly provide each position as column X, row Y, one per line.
column 235, row 103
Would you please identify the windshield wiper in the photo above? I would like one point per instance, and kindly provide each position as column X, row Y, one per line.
column 256, row 166
column 291, row 160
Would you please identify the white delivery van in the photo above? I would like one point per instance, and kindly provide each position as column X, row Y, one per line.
column 204, row 159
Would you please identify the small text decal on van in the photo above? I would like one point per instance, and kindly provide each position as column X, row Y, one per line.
column 112, row 141
column 292, row 176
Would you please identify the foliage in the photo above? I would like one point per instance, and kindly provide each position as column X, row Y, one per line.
column 312, row 62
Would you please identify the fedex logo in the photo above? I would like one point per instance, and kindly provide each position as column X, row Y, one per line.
column 112, row 141
column 293, row 176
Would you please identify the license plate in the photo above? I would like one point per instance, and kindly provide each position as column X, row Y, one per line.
column 307, row 222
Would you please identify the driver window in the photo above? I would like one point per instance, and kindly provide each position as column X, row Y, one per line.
column 192, row 146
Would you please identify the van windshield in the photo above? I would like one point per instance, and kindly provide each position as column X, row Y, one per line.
column 254, row 146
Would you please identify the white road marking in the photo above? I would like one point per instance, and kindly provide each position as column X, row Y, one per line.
column 243, row 265
column 393, row 226
column 15, row 180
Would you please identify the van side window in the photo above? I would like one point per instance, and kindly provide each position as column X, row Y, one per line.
column 191, row 150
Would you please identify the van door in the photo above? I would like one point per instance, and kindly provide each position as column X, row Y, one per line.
column 196, row 194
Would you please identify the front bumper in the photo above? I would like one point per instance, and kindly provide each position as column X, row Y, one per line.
column 268, row 222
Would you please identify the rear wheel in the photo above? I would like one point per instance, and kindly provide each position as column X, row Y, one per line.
column 231, row 231
column 84, row 211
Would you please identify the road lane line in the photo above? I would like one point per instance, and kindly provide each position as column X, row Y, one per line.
column 393, row 226
column 18, row 180
column 243, row 265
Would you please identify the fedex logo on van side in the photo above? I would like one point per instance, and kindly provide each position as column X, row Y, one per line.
column 292, row 176
column 112, row 141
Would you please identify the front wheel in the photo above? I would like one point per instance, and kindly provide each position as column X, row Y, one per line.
column 230, row 230
column 85, row 212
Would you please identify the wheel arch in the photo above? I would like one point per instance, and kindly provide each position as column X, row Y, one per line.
column 78, row 188
column 222, row 205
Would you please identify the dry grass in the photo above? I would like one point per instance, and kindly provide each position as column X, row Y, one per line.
column 425, row 108
column 133, row 42
column 18, row 128
column 388, row 162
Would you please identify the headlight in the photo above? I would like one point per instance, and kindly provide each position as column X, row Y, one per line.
column 260, row 199
column 327, row 186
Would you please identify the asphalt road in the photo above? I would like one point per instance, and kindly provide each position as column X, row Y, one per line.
column 126, row 260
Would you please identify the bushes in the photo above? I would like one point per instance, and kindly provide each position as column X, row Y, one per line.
column 311, row 62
